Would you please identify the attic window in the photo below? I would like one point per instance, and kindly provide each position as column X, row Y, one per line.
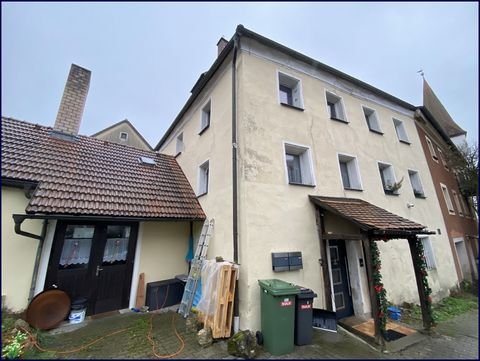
column 147, row 160
column 123, row 136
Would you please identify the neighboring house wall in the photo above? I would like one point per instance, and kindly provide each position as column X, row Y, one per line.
column 275, row 216
column 214, row 145
column 18, row 252
column 461, row 222
column 114, row 134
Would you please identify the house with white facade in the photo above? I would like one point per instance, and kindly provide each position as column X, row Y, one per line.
column 293, row 158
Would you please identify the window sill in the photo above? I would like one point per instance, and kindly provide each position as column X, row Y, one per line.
column 292, row 106
column 302, row 184
column 390, row 193
column 405, row 142
column 420, row 196
column 339, row 120
column 201, row 195
column 204, row 129
column 353, row 189
column 376, row 131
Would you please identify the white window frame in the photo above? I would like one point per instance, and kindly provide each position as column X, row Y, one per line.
column 203, row 127
column 353, row 169
column 428, row 252
column 385, row 165
column 457, row 203
column 448, row 200
column 202, row 188
column 339, row 105
column 179, row 145
column 372, row 118
column 417, row 179
column 432, row 149
column 400, row 130
column 297, row 99
column 120, row 136
column 306, row 162
column 442, row 158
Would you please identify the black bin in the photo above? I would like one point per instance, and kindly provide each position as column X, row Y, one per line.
column 304, row 316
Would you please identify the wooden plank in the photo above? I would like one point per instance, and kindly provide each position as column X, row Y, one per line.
column 140, row 301
column 323, row 259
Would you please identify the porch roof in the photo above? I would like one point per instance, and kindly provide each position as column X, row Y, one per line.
column 368, row 217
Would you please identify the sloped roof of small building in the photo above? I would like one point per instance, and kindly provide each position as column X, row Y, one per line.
column 129, row 125
column 366, row 215
column 89, row 176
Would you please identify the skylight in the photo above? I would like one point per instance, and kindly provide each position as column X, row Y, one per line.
column 147, row 160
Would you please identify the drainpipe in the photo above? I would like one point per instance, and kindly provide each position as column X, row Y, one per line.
column 41, row 238
column 236, row 313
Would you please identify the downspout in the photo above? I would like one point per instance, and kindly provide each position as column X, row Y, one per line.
column 236, row 313
column 41, row 238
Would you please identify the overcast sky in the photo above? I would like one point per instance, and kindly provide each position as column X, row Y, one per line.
column 145, row 57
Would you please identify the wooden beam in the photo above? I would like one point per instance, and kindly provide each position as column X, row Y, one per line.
column 427, row 321
column 343, row 236
column 373, row 298
column 323, row 260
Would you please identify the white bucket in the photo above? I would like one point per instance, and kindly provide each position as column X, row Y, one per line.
column 77, row 316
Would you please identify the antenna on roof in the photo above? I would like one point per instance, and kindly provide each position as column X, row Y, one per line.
column 421, row 73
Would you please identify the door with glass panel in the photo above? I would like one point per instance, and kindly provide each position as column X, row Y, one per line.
column 340, row 279
column 94, row 260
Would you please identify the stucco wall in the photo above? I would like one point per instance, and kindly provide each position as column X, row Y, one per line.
column 113, row 135
column 214, row 144
column 18, row 252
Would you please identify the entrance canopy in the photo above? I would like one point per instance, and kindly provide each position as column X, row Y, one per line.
column 369, row 218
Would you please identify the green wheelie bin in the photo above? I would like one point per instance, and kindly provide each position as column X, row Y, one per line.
column 278, row 315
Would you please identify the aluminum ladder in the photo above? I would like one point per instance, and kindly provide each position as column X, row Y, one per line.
column 196, row 268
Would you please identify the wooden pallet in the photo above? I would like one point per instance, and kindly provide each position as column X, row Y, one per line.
column 221, row 320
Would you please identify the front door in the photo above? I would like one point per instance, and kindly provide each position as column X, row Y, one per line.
column 340, row 279
column 94, row 260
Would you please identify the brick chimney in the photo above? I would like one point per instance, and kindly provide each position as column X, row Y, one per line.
column 222, row 43
column 74, row 96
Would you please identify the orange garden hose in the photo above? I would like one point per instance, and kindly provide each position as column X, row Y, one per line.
column 33, row 340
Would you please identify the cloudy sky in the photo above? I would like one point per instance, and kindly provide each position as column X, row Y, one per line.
column 145, row 57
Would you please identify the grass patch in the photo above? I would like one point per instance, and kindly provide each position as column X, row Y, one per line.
column 449, row 307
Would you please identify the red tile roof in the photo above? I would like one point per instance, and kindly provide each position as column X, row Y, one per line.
column 367, row 216
column 89, row 176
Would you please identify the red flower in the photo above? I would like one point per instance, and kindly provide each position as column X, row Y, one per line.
column 378, row 288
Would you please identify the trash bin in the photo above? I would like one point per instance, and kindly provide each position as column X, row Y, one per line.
column 278, row 315
column 78, row 310
column 304, row 316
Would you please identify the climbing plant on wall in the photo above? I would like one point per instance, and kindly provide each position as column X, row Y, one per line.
column 380, row 292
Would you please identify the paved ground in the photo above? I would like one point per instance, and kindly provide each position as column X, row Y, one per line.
column 457, row 338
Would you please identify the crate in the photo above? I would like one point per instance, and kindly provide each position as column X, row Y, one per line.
column 157, row 296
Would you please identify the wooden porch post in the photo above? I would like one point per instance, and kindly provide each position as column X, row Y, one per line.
column 373, row 298
column 416, row 258
column 324, row 261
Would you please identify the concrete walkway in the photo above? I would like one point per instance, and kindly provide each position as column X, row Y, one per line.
column 454, row 339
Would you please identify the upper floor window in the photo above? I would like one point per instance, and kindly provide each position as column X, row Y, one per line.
column 123, row 136
column 298, row 162
column 428, row 252
column 457, row 203
column 372, row 120
column 290, row 91
column 335, row 107
column 180, row 146
column 203, row 178
column 448, row 200
column 205, row 117
column 442, row 158
column 431, row 149
column 349, row 172
column 401, row 132
column 416, row 184
column 387, row 175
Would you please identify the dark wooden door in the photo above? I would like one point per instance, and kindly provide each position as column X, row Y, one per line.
column 94, row 260
column 340, row 279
